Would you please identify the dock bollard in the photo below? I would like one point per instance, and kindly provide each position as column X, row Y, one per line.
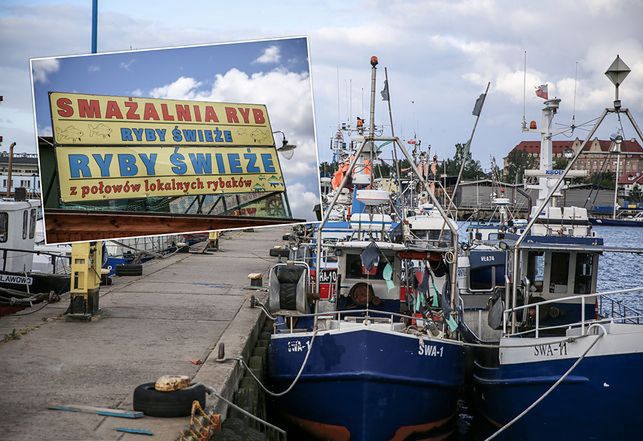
column 221, row 352
column 256, row 280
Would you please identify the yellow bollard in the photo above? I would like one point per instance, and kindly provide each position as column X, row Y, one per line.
column 213, row 241
column 86, row 263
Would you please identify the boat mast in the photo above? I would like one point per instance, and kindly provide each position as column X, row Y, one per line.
column 617, row 153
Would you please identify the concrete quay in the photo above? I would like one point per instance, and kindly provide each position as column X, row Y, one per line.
column 160, row 323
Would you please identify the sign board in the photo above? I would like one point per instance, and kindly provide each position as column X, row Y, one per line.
column 105, row 173
column 79, row 119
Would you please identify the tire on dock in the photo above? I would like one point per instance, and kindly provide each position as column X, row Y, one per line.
column 129, row 269
column 167, row 404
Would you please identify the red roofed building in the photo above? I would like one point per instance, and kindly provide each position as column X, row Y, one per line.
column 628, row 180
column 593, row 156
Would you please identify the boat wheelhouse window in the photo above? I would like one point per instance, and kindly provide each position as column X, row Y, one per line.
column 32, row 223
column 25, row 223
column 301, row 255
column 4, row 226
column 482, row 278
column 584, row 273
column 433, row 235
column 536, row 268
column 559, row 269
column 354, row 268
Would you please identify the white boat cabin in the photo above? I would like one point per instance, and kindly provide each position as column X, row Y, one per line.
column 17, row 234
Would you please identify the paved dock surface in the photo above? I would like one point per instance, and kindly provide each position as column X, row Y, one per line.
column 152, row 325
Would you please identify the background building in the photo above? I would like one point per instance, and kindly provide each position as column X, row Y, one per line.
column 24, row 173
column 594, row 155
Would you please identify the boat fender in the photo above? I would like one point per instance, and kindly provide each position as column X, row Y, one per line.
column 494, row 318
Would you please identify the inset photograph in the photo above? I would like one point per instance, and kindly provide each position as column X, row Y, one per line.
column 176, row 140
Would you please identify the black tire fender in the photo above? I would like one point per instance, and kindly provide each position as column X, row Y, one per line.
column 167, row 404
column 129, row 269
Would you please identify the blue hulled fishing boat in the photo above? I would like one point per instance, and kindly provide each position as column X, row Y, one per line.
column 554, row 358
column 372, row 354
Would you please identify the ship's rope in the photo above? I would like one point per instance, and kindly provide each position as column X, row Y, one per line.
column 212, row 391
column 554, row 386
column 294, row 382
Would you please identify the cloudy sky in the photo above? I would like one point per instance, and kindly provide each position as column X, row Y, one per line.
column 440, row 55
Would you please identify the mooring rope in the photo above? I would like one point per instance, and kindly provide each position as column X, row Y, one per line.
column 294, row 382
column 554, row 386
column 213, row 391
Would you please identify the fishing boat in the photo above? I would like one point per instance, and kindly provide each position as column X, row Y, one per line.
column 20, row 286
column 623, row 221
column 552, row 357
column 376, row 356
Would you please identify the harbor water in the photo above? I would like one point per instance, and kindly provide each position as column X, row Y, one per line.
column 621, row 270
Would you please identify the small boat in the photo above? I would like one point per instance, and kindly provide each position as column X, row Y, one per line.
column 629, row 221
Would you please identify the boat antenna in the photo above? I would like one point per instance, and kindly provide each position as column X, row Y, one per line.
column 347, row 100
column 338, row 110
column 350, row 100
column 386, row 96
column 524, row 94
column 573, row 126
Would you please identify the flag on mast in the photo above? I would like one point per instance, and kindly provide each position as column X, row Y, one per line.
column 541, row 91
column 384, row 92
column 477, row 108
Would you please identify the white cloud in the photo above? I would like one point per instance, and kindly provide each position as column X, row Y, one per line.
column 42, row 68
column 270, row 55
column 137, row 92
column 182, row 88
column 127, row 64
column 302, row 201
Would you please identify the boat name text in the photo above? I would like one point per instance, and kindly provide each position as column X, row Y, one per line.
column 430, row 350
column 550, row 350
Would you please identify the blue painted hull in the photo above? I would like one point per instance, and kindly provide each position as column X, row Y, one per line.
column 615, row 222
column 369, row 385
column 600, row 400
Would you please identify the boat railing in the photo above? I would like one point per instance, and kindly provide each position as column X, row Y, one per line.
column 618, row 310
column 385, row 317
column 55, row 256
column 585, row 299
